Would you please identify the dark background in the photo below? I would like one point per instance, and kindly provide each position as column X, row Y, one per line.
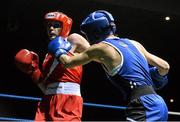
column 22, row 27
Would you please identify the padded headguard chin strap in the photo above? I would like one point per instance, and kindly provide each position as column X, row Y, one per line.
column 62, row 18
column 98, row 25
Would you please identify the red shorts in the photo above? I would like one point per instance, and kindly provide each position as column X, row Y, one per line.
column 59, row 107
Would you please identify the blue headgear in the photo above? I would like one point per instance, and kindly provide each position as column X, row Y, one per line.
column 98, row 25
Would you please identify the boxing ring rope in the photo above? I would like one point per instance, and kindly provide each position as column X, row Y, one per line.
column 85, row 104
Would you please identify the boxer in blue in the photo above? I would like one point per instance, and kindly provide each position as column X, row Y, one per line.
column 128, row 65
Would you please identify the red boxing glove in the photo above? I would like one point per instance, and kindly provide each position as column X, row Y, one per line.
column 28, row 61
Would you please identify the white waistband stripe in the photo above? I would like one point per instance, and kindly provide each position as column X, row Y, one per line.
column 63, row 88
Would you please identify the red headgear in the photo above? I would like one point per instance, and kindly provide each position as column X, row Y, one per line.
column 62, row 18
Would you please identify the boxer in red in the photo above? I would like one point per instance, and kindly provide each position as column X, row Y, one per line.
column 62, row 100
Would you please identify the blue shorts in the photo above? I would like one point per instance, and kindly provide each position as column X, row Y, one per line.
column 149, row 107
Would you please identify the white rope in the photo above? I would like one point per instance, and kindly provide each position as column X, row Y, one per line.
column 86, row 104
column 174, row 113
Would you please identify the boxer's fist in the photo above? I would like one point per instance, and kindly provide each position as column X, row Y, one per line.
column 158, row 80
column 27, row 61
column 59, row 46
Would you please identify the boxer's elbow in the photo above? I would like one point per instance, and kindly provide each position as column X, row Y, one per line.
column 165, row 69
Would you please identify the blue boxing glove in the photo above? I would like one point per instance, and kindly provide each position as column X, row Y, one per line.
column 158, row 80
column 59, row 46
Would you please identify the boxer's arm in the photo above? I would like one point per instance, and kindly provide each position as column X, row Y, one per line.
column 90, row 54
column 60, row 46
column 162, row 65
